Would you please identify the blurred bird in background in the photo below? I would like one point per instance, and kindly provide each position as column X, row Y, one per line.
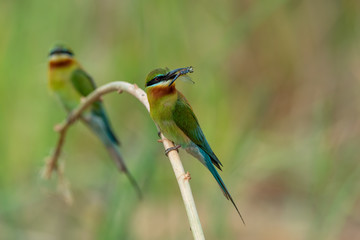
column 71, row 83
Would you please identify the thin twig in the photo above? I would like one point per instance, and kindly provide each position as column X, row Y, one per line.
column 182, row 177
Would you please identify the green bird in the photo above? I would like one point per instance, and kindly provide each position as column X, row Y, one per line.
column 71, row 83
column 175, row 118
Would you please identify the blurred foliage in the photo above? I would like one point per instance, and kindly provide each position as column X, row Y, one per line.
column 276, row 93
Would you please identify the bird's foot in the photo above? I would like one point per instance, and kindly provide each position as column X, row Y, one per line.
column 159, row 134
column 187, row 176
column 172, row 148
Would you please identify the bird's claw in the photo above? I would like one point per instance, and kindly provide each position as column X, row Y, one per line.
column 172, row 148
column 159, row 140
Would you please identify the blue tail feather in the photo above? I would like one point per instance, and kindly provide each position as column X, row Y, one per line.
column 217, row 177
column 101, row 129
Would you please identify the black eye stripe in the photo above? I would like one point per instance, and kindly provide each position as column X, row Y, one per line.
column 155, row 80
column 61, row 51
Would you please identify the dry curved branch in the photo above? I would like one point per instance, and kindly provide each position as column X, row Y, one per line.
column 182, row 177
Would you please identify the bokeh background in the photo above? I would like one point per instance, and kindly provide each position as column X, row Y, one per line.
column 276, row 93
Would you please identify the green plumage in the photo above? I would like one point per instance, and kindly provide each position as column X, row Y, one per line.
column 174, row 116
column 187, row 122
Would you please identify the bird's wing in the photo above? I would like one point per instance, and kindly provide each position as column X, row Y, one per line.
column 84, row 85
column 82, row 82
column 186, row 120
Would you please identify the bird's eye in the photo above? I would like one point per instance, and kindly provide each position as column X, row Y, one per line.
column 158, row 78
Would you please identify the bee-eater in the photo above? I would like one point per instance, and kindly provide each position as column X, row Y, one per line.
column 71, row 83
column 175, row 118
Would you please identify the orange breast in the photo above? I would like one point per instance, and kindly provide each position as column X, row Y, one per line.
column 61, row 63
column 160, row 91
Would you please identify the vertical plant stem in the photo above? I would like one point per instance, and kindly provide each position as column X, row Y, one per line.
column 185, row 189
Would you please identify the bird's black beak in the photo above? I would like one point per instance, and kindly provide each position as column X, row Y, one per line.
column 176, row 73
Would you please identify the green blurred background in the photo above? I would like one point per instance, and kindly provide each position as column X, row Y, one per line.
column 276, row 93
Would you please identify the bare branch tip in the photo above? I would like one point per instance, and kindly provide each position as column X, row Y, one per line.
column 82, row 100
column 59, row 127
column 65, row 190
column 46, row 173
column 47, row 170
